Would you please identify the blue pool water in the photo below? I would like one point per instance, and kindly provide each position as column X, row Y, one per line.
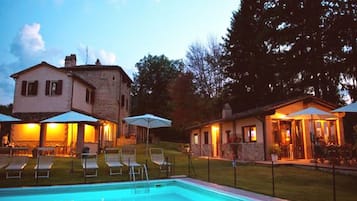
column 159, row 190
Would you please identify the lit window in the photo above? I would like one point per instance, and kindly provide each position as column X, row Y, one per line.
column 250, row 133
column 195, row 138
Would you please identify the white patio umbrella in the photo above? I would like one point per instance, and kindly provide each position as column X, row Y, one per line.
column 69, row 117
column 148, row 121
column 311, row 113
column 347, row 108
column 8, row 118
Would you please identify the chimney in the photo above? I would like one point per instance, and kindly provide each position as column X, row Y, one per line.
column 70, row 61
column 98, row 63
column 226, row 111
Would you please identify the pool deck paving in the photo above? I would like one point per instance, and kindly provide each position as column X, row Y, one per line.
column 234, row 191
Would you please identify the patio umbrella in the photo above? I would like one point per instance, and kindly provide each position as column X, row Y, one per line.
column 69, row 117
column 347, row 108
column 148, row 121
column 311, row 113
column 7, row 118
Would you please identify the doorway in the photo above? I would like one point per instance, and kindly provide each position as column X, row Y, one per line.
column 282, row 136
column 298, row 137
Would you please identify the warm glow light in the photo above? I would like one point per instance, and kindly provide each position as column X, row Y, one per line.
column 215, row 134
column 31, row 126
column 279, row 116
column 52, row 125
column 253, row 135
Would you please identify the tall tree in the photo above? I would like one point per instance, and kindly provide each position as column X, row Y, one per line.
column 150, row 88
column 184, row 101
column 204, row 63
column 275, row 49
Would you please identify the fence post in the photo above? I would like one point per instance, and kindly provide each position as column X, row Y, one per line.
column 334, row 181
column 234, row 163
column 189, row 164
column 208, row 169
column 272, row 176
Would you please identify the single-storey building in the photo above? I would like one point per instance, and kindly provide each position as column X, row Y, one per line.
column 250, row 134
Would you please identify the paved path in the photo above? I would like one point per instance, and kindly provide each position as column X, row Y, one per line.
column 351, row 170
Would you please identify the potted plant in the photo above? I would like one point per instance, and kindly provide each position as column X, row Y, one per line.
column 274, row 152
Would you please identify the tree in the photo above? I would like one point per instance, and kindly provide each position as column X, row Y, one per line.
column 150, row 88
column 204, row 63
column 245, row 59
column 276, row 49
column 6, row 109
column 184, row 101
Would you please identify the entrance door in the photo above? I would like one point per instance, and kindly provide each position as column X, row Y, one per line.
column 283, row 137
column 298, row 140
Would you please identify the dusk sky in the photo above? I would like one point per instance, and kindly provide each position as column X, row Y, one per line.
column 118, row 32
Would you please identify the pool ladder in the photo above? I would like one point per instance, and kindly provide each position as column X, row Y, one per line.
column 144, row 170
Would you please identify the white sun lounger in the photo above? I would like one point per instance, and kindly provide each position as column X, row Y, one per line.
column 16, row 166
column 112, row 159
column 89, row 164
column 157, row 157
column 44, row 162
column 128, row 158
column 43, row 165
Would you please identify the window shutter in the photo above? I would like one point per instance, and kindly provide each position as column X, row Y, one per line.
column 35, row 88
column 23, row 88
column 47, row 92
column 92, row 97
column 87, row 96
column 59, row 87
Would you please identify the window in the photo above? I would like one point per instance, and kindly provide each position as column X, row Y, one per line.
column 53, row 87
column 206, row 137
column 90, row 96
column 122, row 100
column 250, row 134
column 195, row 138
column 29, row 88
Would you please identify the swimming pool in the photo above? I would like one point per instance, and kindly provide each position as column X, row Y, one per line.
column 156, row 190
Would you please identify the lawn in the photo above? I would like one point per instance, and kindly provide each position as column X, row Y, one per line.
column 290, row 182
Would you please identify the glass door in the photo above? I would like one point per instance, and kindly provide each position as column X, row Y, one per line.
column 298, row 140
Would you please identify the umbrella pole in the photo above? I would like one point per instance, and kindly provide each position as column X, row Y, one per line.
column 147, row 142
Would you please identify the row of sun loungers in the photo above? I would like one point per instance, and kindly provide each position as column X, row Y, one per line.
column 114, row 159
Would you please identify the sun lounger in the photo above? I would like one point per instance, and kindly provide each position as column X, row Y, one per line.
column 16, row 166
column 43, row 165
column 157, row 157
column 128, row 158
column 89, row 164
column 44, row 162
column 4, row 160
column 112, row 159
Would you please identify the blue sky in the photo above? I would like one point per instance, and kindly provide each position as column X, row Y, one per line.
column 118, row 32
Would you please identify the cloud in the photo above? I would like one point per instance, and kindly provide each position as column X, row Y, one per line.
column 28, row 43
column 28, row 47
column 89, row 55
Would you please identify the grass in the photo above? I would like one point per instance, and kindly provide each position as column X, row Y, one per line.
column 290, row 182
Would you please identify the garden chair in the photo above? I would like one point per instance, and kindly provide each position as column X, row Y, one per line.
column 128, row 158
column 157, row 157
column 16, row 166
column 44, row 162
column 112, row 159
column 89, row 164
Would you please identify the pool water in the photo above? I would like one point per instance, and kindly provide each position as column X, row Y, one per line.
column 158, row 190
